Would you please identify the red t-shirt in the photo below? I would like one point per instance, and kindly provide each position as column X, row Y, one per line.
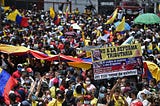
column 16, row 74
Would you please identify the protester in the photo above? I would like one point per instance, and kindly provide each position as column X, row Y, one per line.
column 55, row 83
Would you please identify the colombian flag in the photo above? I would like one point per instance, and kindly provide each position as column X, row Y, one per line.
column 111, row 20
column 6, row 84
column 12, row 16
column 151, row 70
column 16, row 16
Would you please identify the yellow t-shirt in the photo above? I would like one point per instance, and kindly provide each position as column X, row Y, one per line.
column 119, row 102
column 34, row 103
column 76, row 95
column 53, row 90
column 94, row 102
column 55, row 102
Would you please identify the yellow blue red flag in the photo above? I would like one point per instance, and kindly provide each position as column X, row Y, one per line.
column 111, row 20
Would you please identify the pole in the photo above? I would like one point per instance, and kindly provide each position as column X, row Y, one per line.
column 70, row 6
column 155, row 7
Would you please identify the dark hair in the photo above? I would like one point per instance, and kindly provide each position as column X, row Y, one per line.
column 79, row 89
column 153, row 80
column 134, row 91
column 60, row 94
column 12, row 97
column 117, row 90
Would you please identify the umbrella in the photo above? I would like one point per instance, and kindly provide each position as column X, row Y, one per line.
column 72, row 33
column 127, row 26
column 76, row 26
column 147, row 18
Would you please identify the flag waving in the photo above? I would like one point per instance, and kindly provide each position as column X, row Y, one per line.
column 52, row 13
column 121, row 25
column 111, row 20
column 12, row 16
column 7, row 83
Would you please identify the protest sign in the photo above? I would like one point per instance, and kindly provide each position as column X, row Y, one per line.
column 117, row 61
column 117, row 68
column 110, row 53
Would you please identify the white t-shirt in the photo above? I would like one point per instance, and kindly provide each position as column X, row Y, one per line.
column 145, row 103
column 90, row 87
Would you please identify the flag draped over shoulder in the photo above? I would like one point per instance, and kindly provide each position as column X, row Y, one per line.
column 7, row 83
column 113, row 17
column 12, row 16
column 121, row 25
column 52, row 13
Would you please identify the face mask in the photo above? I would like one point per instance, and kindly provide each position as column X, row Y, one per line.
column 49, row 97
column 73, row 87
column 78, row 32
column 27, row 81
column 101, row 95
column 19, row 69
column 88, row 82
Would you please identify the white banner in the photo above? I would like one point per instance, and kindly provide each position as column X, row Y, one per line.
column 115, row 74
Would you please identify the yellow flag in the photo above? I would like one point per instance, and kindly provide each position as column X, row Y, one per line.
column 6, row 8
column 111, row 20
column 52, row 13
column 12, row 15
column 121, row 25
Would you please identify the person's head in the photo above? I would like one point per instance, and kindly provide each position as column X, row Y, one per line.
column 19, row 67
column 60, row 95
column 88, row 81
column 12, row 97
column 117, row 93
column 69, row 94
column 79, row 78
column 37, row 76
column 56, row 82
column 70, row 70
column 152, row 82
column 56, row 74
column 78, row 89
column 133, row 93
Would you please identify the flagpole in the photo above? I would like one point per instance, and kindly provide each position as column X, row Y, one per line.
column 59, row 58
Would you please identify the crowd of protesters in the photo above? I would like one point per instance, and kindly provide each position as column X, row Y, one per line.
column 43, row 83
